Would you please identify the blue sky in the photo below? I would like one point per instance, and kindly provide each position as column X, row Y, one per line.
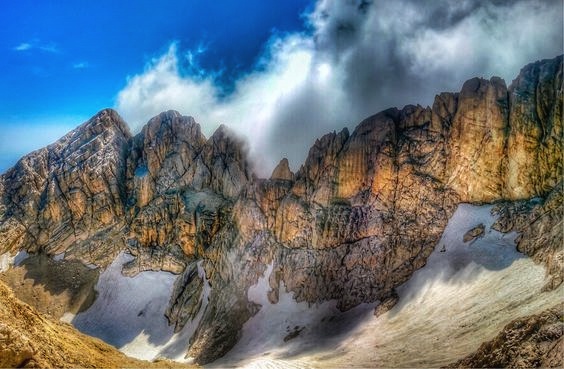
column 62, row 61
column 279, row 73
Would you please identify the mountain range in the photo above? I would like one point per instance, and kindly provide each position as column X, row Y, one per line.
column 166, row 244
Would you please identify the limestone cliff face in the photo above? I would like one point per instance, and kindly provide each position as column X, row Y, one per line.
column 181, row 185
column 68, row 193
column 367, row 208
column 533, row 161
column 362, row 213
column 539, row 223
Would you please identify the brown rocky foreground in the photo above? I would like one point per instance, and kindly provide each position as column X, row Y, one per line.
column 31, row 340
column 535, row 341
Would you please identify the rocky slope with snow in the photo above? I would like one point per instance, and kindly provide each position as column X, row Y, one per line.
column 361, row 215
column 32, row 340
column 465, row 294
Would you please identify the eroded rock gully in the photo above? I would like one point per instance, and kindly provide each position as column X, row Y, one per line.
column 361, row 214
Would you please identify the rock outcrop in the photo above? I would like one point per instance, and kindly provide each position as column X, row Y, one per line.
column 182, row 185
column 474, row 233
column 535, row 341
column 367, row 208
column 362, row 213
column 282, row 171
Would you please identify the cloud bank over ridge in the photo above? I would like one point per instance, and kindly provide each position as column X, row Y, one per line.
column 353, row 59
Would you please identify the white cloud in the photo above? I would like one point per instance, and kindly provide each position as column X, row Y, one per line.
column 23, row 46
column 494, row 40
column 161, row 85
column 49, row 48
column 36, row 44
column 251, row 110
column 360, row 58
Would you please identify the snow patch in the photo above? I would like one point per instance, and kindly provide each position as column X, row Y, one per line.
column 67, row 317
column 274, row 333
column 7, row 260
column 129, row 313
column 20, row 257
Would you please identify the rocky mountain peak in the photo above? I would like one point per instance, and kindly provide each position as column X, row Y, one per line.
column 105, row 128
column 479, row 86
column 282, row 171
column 170, row 128
column 165, row 135
column 71, row 189
column 108, row 119
column 173, row 124
column 224, row 139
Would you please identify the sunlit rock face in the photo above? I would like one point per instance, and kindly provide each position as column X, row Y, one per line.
column 181, row 186
column 476, row 140
column 533, row 163
column 69, row 196
column 282, row 171
column 360, row 216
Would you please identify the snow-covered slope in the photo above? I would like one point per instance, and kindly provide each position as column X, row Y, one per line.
column 129, row 313
column 462, row 297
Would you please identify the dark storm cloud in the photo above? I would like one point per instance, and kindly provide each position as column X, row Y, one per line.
column 397, row 52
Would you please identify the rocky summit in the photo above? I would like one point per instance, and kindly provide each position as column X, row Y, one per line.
column 362, row 214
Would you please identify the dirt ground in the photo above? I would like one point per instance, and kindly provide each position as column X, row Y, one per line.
column 52, row 287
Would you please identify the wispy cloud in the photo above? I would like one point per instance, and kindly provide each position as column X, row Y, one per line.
column 37, row 45
column 81, row 65
column 23, row 46
column 49, row 48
